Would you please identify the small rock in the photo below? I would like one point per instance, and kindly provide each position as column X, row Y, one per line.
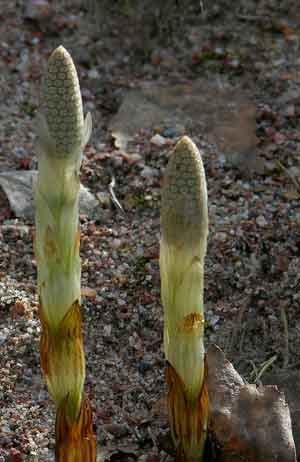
column 279, row 138
column 83, row 56
column 135, row 342
column 259, row 66
column 149, row 172
column 222, row 237
column 118, row 430
column 38, row 10
column 289, row 111
column 171, row 132
column 143, row 367
column 234, row 63
column 132, row 158
column 19, row 309
column 23, row 231
column 261, row 221
column 107, row 330
column 115, row 243
column 88, row 292
column 104, row 199
column 158, row 140
column 220, row 51
column 270, row 166
column 34, row 41
column 15, row 455
column 20, row 152
column 93, row 74
column 294, row 171
column 21, row 67
column 215, row 11
column 3, row 335
column 292, row 94
column 214, row 321
column 155, row 58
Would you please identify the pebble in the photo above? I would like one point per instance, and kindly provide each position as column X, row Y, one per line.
column 3, row 335
column 20, row 152
column 214, row 321
column 23, row 230
column 222, row 237
column 171, row 132
column 149, row 172
column 118, row 430
column 88, row 292
column 261, row 221
column 38, row 10
column 294, row 171
column 143, row 367
column 289, row 110
column 107, row 330
column 234, row 63
column 93, row 74
column 115, row 243
column 104, row 199
column 158, row 140
column 35, row 40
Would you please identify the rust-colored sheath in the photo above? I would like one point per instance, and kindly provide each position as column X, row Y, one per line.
column 188, row 419
column 75, row 441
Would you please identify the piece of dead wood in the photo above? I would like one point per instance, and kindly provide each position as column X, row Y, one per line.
column 248, row 423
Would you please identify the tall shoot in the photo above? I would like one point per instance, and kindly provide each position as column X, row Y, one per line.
column 62, row 136
column 184, row 227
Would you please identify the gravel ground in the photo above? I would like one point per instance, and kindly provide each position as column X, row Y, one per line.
column 252, row 277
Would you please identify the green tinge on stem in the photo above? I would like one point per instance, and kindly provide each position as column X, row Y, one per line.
column 184, row 225
column 182, row 297
column 57, row 237
column 184, row 222
column 62, row 134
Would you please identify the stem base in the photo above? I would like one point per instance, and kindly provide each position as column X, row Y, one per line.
column 188, row 418
column 75, row 440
